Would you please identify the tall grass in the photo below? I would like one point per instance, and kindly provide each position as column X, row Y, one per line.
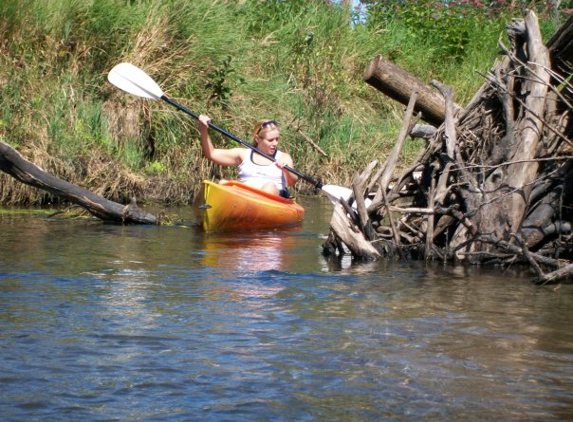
column 299, row 62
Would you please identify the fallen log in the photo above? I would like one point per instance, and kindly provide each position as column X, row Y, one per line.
column 14, row 164
column 398, row 84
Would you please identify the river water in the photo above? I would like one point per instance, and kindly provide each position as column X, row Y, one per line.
column 108, row 323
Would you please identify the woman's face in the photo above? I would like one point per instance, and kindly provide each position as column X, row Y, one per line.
column 267, row 141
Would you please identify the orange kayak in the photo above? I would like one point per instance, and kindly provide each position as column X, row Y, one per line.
column 236, row 206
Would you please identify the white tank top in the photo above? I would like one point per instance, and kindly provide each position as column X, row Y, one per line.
column 257, row 175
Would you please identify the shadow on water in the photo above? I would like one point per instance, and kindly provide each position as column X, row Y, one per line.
column 105, row 322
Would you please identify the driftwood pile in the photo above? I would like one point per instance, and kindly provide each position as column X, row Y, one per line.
column 494, row 184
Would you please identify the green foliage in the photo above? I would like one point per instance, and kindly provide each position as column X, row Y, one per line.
column 131, row 154
column 299, row 62
column 444, row 29
column 219, row 86
column 155, row 168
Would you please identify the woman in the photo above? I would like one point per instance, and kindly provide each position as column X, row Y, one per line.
column 254, row 169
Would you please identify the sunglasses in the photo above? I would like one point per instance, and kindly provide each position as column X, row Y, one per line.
column 267, row 125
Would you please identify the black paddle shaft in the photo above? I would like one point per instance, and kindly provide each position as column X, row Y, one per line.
column 184, row 109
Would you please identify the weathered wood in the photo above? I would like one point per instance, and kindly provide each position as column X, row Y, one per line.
column 556, row 275
column 536, row 226
column 362, row 215
column 395, row 233
column 450, row 126
column 350, row 235
column 430, row 222
column 528, row 131
column 398, row 84
column 14, row 164
column 392, row 160
column 360, row 193
column 496, row 178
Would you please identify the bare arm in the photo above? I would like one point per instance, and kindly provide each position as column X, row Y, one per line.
column 224, row 157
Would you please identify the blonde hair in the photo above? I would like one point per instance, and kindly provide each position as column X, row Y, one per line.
column 262, row 127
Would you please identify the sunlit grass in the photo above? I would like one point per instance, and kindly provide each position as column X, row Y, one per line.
column 298, row 62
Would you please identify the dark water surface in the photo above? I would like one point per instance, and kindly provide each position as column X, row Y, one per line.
column 109, row 323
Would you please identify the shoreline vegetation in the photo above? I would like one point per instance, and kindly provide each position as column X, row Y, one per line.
column 298, row 62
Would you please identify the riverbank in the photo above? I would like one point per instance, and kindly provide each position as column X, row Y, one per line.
column 300, row 63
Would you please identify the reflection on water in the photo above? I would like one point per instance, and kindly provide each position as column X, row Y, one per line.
column 103, row 322
column 250, row 252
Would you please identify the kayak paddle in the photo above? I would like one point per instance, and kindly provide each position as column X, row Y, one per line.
column 133, row 80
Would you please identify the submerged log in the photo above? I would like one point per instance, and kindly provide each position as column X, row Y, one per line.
column 496, row 178
column 14, row 164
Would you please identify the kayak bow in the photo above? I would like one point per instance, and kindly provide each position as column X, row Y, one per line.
column 236, row 206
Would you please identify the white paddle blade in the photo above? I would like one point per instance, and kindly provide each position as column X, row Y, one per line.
column 335, row 193
column 132, row 79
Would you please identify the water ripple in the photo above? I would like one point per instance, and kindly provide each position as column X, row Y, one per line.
column 111, row 323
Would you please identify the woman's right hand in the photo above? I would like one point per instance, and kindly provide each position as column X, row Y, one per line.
column 204, row 121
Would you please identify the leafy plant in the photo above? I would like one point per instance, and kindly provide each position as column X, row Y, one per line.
column 219, row 86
